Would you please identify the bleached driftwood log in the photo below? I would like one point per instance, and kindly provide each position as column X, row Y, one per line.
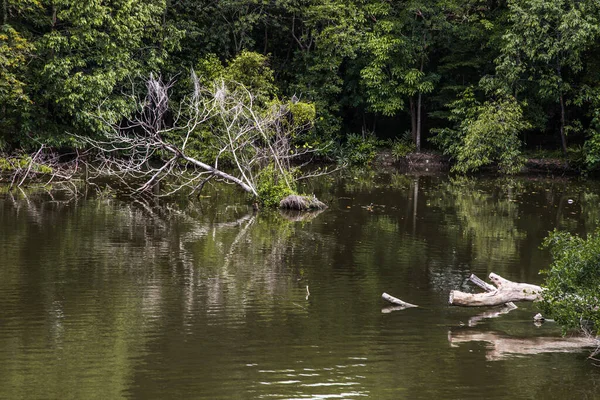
column 397, row 302
column 488, row 288
column 505, row 292
column 502, row 346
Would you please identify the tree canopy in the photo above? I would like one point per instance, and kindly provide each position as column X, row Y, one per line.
column 530, row 68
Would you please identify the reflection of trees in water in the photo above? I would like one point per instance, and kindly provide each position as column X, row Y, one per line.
column 125, row 272
column 481, row 221
column 500, row 220
column 125, row 269
column 230, row 251
column 455, row 226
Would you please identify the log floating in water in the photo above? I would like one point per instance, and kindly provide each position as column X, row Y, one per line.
column 488, row 288
column 397, row 302
column 505, row 292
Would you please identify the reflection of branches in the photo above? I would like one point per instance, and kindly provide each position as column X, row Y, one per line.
column 250, row 218
column 298, row 216
column 44, row 165
column 220, row 263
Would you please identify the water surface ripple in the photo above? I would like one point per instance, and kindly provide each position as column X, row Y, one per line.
column 108, row 299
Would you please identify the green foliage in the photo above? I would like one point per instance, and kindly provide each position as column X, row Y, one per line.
column 397, row 50
column 15, row 163
column 359, row 149
column 348, row 61
column 592, row 150
column 572, row 296
column 15, row 50
column 302, row 113
column 591, row 146
column 248, row 69
column 543, row 52
column 274, row 185
column 401, row 147
column 484, row 134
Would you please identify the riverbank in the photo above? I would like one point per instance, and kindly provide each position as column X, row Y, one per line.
column 22, row 169
column 428, row 161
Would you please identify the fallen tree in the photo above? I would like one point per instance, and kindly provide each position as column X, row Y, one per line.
column 220, row 132
column 505, row 292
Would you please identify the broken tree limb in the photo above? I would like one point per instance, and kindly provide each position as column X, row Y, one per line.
column 397, row 301
column 481, row 283
column 488, row 288
column 506, row 292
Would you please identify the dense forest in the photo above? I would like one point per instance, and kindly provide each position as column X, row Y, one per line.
column 478, row 80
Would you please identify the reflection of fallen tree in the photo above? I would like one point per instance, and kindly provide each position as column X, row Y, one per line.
column 493, row 313
column 299, row 216
column 502, row 346
column 505, row 292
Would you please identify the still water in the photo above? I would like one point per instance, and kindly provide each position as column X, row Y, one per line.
column 108, row 299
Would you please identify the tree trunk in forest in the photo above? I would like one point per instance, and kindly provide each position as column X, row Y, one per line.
column 418, row 134
column 506, row 292
column 413, row 119
column 419, row 104
column 563, row 137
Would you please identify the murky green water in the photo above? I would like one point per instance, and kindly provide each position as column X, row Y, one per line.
column 107, row 299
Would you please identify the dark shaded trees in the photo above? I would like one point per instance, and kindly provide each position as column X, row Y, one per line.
column 357, row 61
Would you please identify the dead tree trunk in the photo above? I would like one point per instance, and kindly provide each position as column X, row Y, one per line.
column 506, row 292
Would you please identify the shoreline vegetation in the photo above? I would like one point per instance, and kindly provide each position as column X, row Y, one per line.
column 25, row 167
column 19, row 169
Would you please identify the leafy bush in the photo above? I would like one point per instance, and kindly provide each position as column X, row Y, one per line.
column 272, row 186
column 577, row 157
column 572, row 296
column 15, row 163
column 401, row 147
column 359, row 149
column 592, row 143
column 484, row 133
